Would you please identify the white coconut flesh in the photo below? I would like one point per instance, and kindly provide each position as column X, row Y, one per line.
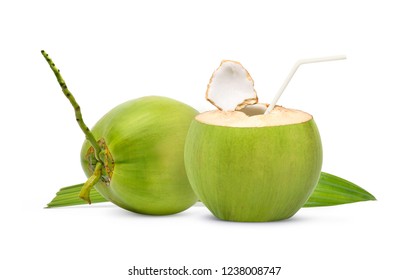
column 231, row 87
column 277, row 117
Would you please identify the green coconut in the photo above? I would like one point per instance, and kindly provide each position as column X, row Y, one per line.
column 245, row 165
column 142, row 143
column 133, row 156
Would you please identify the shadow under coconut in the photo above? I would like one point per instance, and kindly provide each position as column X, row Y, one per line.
column 129, row 214
column 292, row 220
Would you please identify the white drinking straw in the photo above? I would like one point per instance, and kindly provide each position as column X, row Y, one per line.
column 292, row 72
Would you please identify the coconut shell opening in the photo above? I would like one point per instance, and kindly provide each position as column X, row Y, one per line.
column 277, row 117
column 254, row 109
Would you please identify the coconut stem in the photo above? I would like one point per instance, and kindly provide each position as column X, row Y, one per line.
column 92, row 180
column 90, row 137
column 292, row 72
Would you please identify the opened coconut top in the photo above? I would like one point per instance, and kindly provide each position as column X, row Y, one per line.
column 278, row 116
column 231, row 91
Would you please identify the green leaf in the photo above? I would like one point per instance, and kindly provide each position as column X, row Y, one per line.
column 69, row 196
column 332, row 190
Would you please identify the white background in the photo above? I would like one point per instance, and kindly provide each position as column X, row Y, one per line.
column 112, row 51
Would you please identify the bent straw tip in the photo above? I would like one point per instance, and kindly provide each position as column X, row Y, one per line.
column 337, row 57
column 341, row 56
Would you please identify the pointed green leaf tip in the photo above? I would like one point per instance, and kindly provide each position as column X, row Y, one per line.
column 330, row 191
